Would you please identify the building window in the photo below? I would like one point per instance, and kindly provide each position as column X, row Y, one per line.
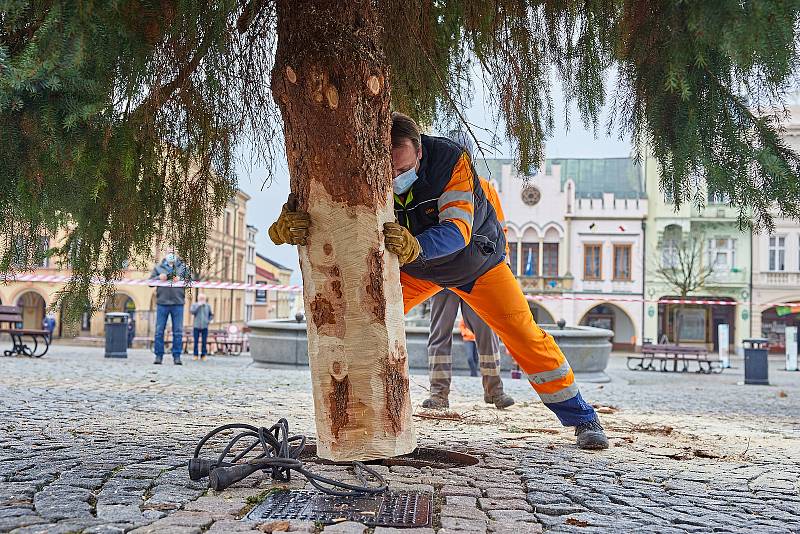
column 530, row 259
column 777, row 253
column 30, row 257
column 261, row 296
column 550, row 259
column 227, row 223
column 622, row 262
column 225, row 264
column 512, row 257
column 592, row 261
column 717, row 197
column 721, row 253
column 669, row 253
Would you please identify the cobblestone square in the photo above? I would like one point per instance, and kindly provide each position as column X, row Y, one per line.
column 97, row 445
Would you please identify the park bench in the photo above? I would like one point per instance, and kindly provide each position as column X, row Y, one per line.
column 228, row 342
column 11, row 324
column 679, row 356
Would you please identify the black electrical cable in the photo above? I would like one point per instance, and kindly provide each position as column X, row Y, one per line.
column 280, row 454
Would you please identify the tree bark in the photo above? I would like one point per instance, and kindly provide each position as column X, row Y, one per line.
column 330, row 82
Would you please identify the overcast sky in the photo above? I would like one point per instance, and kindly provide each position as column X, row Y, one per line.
column 265, row 204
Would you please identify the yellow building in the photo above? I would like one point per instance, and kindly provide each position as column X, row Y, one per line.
column 226, row 248
column 272, row 304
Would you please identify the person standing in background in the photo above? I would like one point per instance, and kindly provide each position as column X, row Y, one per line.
column 203, row 315
column 469, row 345
column 169, row 304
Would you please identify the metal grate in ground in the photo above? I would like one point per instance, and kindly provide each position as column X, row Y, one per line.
column 389, row 509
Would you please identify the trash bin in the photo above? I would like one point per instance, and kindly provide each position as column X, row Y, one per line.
column 756, row 365
column 117, row 335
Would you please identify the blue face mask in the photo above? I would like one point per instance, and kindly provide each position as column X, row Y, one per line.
column 404, row 181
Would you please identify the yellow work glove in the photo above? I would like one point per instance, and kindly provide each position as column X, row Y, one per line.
column 400, row 241
column 291, row 226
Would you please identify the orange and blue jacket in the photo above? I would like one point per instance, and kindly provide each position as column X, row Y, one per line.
column 447, row 211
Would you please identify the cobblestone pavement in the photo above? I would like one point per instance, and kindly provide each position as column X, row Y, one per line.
column 95, row 445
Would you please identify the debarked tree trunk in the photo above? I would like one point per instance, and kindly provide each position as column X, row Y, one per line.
column 330, row 82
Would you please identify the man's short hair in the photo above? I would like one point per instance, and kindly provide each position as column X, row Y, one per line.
column 404, row 127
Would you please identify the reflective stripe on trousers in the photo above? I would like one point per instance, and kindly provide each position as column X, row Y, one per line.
column 497, row 298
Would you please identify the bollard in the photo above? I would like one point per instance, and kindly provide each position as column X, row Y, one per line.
column 723, row 340
column 791, row 348
column 756, row 365
column 116, row 327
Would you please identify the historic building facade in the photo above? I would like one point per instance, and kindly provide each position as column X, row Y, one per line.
column 270, row 304
column 720, row 246
column 576, row 240
column 226, row 249
column 776, row 267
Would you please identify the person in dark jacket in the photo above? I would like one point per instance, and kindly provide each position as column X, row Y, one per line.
column 447, row 235
column 169, row 305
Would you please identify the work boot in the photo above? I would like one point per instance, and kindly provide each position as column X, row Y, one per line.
column 157, row 361
column 435, row 402
column 493, row 392
column 590, row 435
column 177, row 361
column 500, row 401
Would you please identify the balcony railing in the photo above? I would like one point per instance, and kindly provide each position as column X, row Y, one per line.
column 777, row 279
column 543, row 284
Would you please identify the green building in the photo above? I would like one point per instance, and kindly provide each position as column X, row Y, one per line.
column 722, row 258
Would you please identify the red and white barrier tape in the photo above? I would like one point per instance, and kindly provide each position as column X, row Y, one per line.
column 155, row 283
column 639, row 299
column 297, row 288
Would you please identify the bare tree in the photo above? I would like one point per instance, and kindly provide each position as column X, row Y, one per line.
column 682, row 266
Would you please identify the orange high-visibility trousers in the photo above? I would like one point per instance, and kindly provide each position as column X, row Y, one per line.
column 497, row 298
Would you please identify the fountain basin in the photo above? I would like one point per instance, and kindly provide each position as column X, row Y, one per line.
column 284, row 343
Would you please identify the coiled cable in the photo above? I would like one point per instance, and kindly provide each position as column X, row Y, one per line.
column 279, row 455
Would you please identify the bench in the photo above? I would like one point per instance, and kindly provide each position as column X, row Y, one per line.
column 679, row 356
column 230, row 343
column 11, row 317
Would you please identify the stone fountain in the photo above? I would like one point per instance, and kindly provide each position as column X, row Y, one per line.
column 275, row 343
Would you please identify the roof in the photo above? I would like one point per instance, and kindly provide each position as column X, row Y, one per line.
column 592, row 176
column 274, row 263
column 263, row 273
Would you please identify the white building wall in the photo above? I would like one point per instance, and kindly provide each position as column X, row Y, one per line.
column 560, row 217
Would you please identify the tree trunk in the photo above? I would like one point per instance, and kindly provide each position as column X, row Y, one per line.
column 330, row 82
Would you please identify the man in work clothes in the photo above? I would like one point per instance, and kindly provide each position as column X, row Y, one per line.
column 444, row 308
column 448, row 236
column 169, row 305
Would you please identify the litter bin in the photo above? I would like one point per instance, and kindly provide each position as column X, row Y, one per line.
column 756, row 365
column 117, row 335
